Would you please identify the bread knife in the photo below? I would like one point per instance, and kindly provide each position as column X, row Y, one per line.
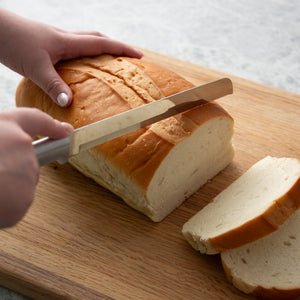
column 83, row 138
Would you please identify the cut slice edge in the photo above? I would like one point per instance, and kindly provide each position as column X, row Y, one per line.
column 233, row 219
column 268, row 267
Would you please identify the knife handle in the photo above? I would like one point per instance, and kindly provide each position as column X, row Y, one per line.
column 48, row 150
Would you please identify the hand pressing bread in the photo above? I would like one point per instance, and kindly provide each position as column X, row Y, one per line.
column 31, row 49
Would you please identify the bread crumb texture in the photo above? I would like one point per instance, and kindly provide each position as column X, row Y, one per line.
column 251, row 207
column 268, row 267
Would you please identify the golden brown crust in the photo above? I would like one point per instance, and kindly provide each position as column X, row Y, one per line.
column 103, row 86
column 276, row 294
column 168, row 82
column 84, row 109
column 262, row 225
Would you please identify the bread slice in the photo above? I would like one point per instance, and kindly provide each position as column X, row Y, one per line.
column 250, row 208
column 269, row 267
column 153, row 169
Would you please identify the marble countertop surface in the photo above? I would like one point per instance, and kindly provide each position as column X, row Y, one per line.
column 257, row 40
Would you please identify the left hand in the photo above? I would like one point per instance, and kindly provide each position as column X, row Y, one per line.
column 32, row 49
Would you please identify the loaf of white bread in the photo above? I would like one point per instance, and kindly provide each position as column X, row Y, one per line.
column 255, row 224
column 153, row 169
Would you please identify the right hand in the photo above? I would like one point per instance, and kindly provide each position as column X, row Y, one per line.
column 19, row 168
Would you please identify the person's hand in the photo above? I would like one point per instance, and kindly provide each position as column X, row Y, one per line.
column 19, row 168
column 32, row 49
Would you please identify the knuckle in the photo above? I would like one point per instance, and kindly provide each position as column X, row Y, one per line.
column 34, row 110
column 96, row 33
column 6, row 116
column 52, row 86
column 36, row 113
column 24, row 140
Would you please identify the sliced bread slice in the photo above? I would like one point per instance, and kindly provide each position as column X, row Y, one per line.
column 250, row 208
column 269, row 267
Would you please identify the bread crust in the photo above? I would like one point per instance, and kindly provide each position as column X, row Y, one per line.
column 262, row 225
column 269, row 267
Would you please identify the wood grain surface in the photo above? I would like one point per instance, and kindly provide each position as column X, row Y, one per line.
column 79, row 241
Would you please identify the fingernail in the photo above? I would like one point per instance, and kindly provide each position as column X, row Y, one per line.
column 62, row 99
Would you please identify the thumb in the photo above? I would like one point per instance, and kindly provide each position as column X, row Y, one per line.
column 46, row 77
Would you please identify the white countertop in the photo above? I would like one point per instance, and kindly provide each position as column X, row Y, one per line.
column 257, row 40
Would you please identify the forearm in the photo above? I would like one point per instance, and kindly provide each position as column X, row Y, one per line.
column 22, row 42
column 11, row 27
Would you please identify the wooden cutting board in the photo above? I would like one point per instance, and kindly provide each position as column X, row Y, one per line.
column 79, row 241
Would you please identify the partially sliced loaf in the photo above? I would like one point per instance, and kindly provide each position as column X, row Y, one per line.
column 251, row 207
column 153, row 169
column 269, row 267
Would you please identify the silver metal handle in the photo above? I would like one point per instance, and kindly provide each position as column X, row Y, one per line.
column 48, row 150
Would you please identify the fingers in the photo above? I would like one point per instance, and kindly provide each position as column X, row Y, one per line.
column 77, row 45
column 89, row 45
column 68, row 45
column 36, row 123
